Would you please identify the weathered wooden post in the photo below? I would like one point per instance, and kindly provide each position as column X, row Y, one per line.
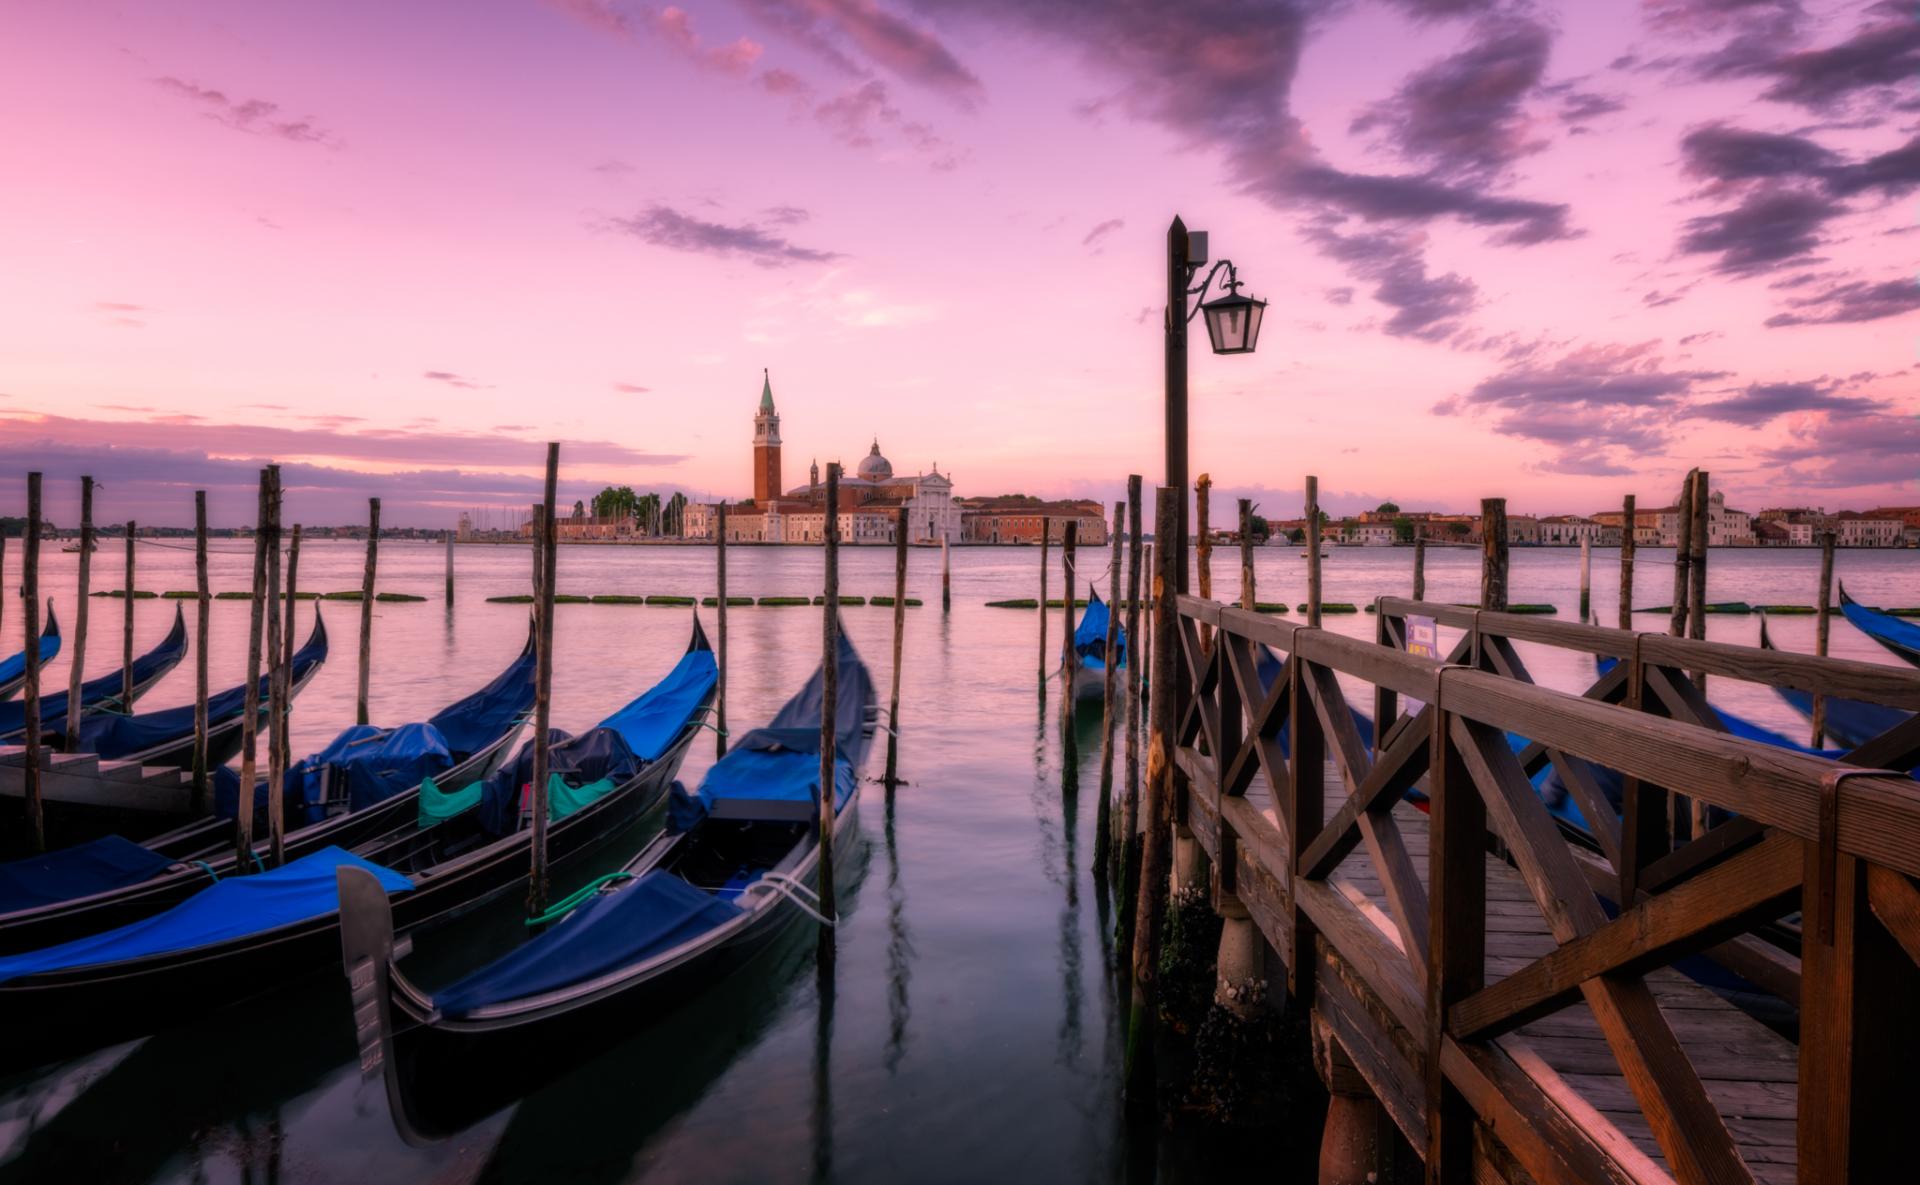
column 830, row 694
column 1822, row 622
column 1419, row 562
column 202, row 613
column 1493, row 554
column 720, row 575
column 1103, row 820
column 1046, row 543
column 1156, row 854
column 276, row 689
column 126, row 626
column 1147, row 635
column 1246, row 555
column 76, row 710
column 1586, row 578
column 1682, row 555
column 545, row 554
column 1203, row 547
column 1697, row 566
column 30, row 690
column 946, row 577
column 250, row 713
column 449, row 567
column 1628, row 520
column 3, row 583
column 1313, row 552
column 1136, row 663
column 366, row 608
column 899, row 640
column 283, row 704
column 1069, row 657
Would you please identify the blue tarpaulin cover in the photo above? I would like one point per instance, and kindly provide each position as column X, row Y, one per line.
column 645, row 917
column 1851, row 722
column 1090, row 636
column 232, row 908
column 13, row 669
column 594, row 755
column 78, row 871
column 773, row 771
column 124, row 736
column 651, row 723
column 53, row 708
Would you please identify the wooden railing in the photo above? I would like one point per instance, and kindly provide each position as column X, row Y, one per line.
column 1405, row 989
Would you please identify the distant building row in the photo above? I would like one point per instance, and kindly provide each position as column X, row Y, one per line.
column 870, row 502
column 1892, row 526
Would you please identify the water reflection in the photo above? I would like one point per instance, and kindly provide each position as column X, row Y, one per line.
column 822, row 1112
column 900, row 952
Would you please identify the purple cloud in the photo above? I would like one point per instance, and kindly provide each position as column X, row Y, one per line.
column 452, row 380
column 664, row 226
column 1463, row 115
column 1851, row 302
column 1102, row 230
column 255, row 116
column 1762, row 402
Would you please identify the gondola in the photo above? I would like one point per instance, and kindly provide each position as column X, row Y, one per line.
column 245, row 934
column 104, row 692
column 1090, row 650
column 165, row 737
column 341, row 796
column 13, row 670
column 1849, row 722
column 1897, row 635
column 732, row 873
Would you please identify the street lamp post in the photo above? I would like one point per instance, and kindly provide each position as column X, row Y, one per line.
column 1233, row 327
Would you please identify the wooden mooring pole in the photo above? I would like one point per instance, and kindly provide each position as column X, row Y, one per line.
column 1822, row 622
column 1682, row 555
column 1419, row 562
column 830, row 693
column 76, row 710
column 1627, row 520
column 1156, row 854
column 1493, row 554
column 366, row 608
column 1046, row 543
column 1586, row 578
column 276, row 689
column 1069, row 657
column 1203, row 546
column 126, row 626
column 30, row 690
column 720, row 605
column 544, row 556
column 899, row 640
column 1697, row 567
column 1103, row 820
column 250, row 713
column 1313, row 552
column 1136, row 662
column 1246, row 555
column 449, row 569
column 283, row 704
column 202, row 614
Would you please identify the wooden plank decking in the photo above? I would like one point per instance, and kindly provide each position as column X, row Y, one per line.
column 1750, row 1072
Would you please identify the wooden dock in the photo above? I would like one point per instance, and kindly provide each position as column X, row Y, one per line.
column 1470, row 971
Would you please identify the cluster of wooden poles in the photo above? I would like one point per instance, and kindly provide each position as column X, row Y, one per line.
column 270, row 638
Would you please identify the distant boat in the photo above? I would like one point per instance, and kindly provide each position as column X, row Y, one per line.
column 93, row 545
column 1901, row 637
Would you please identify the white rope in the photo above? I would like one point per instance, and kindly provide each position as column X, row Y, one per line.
column 782, row 885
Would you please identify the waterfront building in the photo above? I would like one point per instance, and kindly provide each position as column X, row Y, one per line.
column 1563, row 530
column 1017, row 518
column 1854, row 529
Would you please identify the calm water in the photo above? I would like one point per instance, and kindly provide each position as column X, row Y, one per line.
column 971, row 1033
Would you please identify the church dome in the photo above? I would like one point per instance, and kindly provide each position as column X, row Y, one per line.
column 874, row 467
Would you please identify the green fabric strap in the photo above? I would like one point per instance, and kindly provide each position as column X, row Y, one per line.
column 563, row 800
column 437, row 806
column 567, row 905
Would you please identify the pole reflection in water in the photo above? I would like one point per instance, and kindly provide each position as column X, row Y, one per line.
column 899, row 950
column 822, row 1113
column 1070, row 954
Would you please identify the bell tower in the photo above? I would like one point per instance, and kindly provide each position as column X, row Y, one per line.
column 766, row 446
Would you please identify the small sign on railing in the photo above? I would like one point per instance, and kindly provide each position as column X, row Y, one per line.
column 1423, row 641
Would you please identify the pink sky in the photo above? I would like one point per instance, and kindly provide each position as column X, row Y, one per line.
column 1555, row 252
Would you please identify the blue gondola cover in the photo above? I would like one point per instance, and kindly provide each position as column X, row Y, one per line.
column 651, row 723
column 477, row 721
column 635, row 922
column 232, row 908
column 1090, row 636
column 53, row 708
column 79, row 871
column 598, row 753
column 14, row 667
column 774, row 772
